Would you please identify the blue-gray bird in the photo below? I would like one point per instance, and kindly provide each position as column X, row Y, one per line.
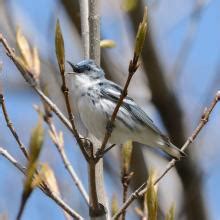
column 95, row 97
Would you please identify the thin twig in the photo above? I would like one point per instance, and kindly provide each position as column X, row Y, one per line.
column 65, row 91
column 63, row 205
column 11, row 127
column 142, row 189
column 65, row 160
column 84, row 15
column 49, row 193
column 109, row 128
column 126, row 177
column 11, row 159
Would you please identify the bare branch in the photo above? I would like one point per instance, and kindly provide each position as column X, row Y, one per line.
column 84, row 14
column 142, row 189
column 94, row 31
column 60, row 52
column 11, row 159
column 11, row 127
column 60, row 147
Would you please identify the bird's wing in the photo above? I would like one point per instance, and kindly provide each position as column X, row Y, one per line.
column 112, row 91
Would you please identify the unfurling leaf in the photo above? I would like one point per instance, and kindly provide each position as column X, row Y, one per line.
column 126, row 156
column 28, row 63
column 59, row 45
column 36, row 63
column 107, row 43
column 151, row 201
column 24, row 48
column 114, row 205
column 141, row 35
column 49, row 178
column 36, row 141
column 32, row 178
column 170, row 214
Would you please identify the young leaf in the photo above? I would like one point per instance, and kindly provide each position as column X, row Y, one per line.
column 24, row 48
column 151, row 201
column 28, row 63
column 35, row 146
column 141, row 35
column 59, row 45
column 114, row 205
column 126, row 156
column 36, row 63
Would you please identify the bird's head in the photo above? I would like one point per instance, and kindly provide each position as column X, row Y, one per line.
column 87, row 68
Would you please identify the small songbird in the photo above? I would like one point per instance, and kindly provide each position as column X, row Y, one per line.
column 95, row 98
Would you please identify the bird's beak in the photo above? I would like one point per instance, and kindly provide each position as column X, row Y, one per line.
column 74, row 67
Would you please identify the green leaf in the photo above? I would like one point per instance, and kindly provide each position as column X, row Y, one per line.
column 126, row 156
column 141, row 35
column 32, row 179
column 114, row 205
column 59, row 45
column 151, row 201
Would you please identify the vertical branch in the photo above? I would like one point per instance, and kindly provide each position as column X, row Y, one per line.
column 94, row 31
column 96, row 179
column 60, row 52
column 84, row 12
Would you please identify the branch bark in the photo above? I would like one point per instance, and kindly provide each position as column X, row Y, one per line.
column 94, row 30
column 84, row 12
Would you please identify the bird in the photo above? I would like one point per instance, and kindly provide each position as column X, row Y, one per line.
column 94, row 99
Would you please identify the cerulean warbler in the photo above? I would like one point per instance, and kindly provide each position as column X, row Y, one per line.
column 95, row 97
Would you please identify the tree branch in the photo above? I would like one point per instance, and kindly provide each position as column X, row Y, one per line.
column 11, row 159
column 84, row 14
column 109, row 128
column 58, row 142
column 94, row 31
column 142, row 189
column 11, row 127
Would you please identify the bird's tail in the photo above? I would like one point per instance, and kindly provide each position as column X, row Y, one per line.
column 172, row 150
